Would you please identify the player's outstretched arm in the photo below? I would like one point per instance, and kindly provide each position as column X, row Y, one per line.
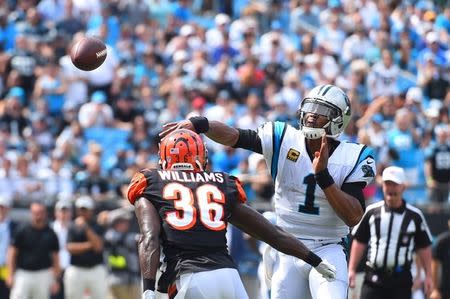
column 149, row 247
column 215, row 130
column 254, row 224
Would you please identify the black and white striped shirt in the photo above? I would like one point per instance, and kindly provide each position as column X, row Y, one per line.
column 392, row 235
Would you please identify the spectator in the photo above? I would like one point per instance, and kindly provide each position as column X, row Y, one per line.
column 388, row 268
column 85, row 245
column 304, row 19
column 435, row 85
column 69, row 24
column 51, row 87
column 122, row 255
column 33, row 261
column 63, row 219
column 441, row 266
column 356, row 45
column 382, row 78
column 331, row 36
column 215, row 35
column 93, row 179
column 437, row 166
column 57, row 178
column 404, row 140
column 96, row 113
column 7, row 229
column 26, row 186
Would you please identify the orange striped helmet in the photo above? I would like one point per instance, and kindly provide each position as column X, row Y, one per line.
column 183, row 150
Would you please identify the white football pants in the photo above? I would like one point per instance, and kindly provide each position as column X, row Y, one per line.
column 217, row 284
column 293, row 278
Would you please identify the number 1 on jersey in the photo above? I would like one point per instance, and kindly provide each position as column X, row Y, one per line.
column 308, row 207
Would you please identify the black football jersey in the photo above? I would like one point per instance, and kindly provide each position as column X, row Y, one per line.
column 194, row 208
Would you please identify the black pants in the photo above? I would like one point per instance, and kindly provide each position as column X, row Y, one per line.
column 4, row 290
column 382, row 285
column 371, row 291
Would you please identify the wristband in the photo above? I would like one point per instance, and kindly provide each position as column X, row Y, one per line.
column 313, row 259
column 148, row 284
column 200, row 123
column 324, row 179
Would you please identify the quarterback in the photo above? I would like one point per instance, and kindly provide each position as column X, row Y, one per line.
column 318, row 180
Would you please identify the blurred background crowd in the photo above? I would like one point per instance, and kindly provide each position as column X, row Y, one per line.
column 65, row 133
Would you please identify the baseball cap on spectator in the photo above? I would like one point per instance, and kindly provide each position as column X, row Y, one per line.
column 70, row 106
column 180, row 55
column 394, row 174
column 276, row 25
column 85, row 202
column 432, row 112
column 198, row 103
column 186, row 30
column 98, row 97
column 278, row 99
column 377, row 118
column 334, row 3
column 57, row 154
column 441, row 128
column 63, row 204
column 414, row 94
column 221, row 19
column 17, row 92
column 424, row 5
column 35, row 117
column 223, row 94
column 432, row 37
column 117, row 215
column 5, row 201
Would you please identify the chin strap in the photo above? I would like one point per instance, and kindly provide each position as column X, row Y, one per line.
column 313, row 133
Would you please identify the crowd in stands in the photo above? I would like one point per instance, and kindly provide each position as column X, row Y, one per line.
column 65, row 133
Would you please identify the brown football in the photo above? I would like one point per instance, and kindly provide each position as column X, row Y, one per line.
column 88, row 53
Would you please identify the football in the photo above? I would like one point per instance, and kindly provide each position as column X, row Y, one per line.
column 88, row 53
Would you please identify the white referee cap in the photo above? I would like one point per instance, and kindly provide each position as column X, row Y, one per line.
column 394, row 174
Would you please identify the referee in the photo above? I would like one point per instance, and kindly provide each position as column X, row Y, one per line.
column 392, row 230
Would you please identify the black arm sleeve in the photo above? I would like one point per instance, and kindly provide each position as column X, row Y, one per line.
column 249, row 139
column 355, row 190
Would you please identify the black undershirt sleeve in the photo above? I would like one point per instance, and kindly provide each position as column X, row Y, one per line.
column 355, row 190
column 249, row 140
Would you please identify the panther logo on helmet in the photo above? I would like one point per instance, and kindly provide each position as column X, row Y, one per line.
column 183, row 150
column 329, row 101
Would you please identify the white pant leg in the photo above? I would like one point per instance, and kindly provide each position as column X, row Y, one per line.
column 74, row 283
column 31, row 284
column 290, row 278
column 96, row 282
column 217, row 284
column 320, row 287
column 42, row 283
column 22, row 286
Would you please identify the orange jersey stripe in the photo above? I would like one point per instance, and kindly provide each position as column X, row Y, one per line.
column 242, row 197
column 137, row 186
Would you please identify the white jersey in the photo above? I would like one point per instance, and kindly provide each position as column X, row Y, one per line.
column 301, row 206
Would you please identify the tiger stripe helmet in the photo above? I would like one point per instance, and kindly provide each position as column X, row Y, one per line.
column 183, row 150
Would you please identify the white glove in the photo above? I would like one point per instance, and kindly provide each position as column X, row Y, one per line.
column 148, row 295
column 327, row 270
